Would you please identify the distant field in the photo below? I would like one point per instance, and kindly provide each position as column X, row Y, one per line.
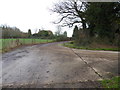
column 6, row 44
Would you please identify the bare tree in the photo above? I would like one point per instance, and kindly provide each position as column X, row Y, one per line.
column 71, row 11
column 58, row 31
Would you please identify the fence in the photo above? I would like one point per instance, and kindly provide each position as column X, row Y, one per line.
column 7, row 44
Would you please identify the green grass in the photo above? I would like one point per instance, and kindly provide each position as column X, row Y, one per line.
column 68, row 44
column 111, row 83
column 6, row 44
column 0, row 44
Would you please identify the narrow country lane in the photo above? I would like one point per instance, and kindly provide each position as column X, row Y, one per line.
column 54, row 66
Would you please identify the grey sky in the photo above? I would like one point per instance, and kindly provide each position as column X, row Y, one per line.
column 33, row 14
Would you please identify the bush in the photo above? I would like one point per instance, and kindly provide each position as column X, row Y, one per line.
column 62, row 38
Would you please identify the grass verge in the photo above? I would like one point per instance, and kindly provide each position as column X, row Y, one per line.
column 111, row 83
column 71, row 45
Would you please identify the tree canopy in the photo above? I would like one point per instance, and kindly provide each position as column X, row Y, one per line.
column 98, row 20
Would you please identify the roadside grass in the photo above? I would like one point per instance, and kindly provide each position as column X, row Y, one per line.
column 71, row 45
column 0, row 45
column 7, row 44
column 111, row 83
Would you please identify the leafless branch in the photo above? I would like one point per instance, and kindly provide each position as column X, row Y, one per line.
column 71, row 12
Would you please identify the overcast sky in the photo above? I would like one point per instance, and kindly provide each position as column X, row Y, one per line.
column 29, row 14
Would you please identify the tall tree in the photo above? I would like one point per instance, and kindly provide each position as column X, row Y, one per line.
column 29, row 33
column 102, row 18
column 65, row 34
column 58, row 31
column 71, row 11
column 75, row 33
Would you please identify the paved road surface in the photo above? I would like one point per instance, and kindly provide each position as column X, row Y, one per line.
column 52, row 65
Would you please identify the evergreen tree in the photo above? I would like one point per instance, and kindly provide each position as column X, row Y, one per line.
column 65, row 34
column 29, row 33
column 75, row 33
